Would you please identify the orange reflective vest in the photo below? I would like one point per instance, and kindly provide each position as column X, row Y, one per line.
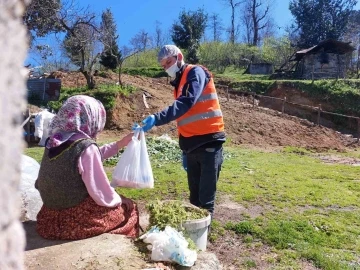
column 205, row 116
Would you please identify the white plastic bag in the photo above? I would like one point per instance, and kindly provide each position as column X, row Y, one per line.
column 133, row 168
column 31, row 200
column 42, row 122
column 169, row 245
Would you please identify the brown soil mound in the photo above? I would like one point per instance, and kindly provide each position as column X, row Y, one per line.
column 244, row 124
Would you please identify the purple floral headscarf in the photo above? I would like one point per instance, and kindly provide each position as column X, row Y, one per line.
column 79, row 114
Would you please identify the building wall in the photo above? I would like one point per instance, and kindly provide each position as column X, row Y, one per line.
column 261, row 68
column 13, row 48
column 334, row 68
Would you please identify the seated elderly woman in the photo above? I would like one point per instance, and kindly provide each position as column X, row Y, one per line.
column 78, row 201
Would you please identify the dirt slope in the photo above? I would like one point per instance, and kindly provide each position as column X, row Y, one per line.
column 244, row 124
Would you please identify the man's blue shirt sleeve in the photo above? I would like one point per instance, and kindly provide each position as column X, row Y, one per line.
column 195, row 84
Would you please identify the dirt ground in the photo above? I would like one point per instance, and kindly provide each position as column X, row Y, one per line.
column 244, row 124
column 256, row 126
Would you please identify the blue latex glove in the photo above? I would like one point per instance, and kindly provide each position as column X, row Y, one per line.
column 135, row 126
column 184, row 162
column 148, row 123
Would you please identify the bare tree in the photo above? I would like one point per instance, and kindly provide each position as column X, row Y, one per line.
column 50, row 58
column 81, row 35
column 215, row 25
column 159, row 39
column 124, row 56
column 141, row 41
column 270, row 29
column 233, row 4
column 256, row 17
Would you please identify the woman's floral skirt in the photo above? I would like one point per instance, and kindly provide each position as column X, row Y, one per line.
column 87, row 220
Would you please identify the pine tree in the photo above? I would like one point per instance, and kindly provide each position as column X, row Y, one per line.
column 188, row 33
column 111, row 55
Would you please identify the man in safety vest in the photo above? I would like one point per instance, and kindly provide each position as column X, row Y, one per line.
column 200, row 124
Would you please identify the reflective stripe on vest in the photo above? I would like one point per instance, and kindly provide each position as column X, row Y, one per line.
column 205, row 116
column 200, row 116
column 207, row 97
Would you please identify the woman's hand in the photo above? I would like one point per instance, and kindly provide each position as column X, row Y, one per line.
column 129, row 204
column 124, row 141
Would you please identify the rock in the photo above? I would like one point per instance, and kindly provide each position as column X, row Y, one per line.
column 206, row 260
column 106, row 251
column 31, row 200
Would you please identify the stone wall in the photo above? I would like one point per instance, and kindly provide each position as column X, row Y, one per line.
column 324, row 65
column 13, row 48
column 261, row 68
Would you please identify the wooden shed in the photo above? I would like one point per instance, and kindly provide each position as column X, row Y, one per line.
column 328, row 59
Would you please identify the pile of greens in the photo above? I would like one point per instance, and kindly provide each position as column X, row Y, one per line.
column 163, row 150
column 172, row 213
column 160, row 150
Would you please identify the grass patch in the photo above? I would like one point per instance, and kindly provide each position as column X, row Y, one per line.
column 297, row 150
column 286, row 179
column 315, row 240
column 313, row 207
column 237, row 74
column 217, row 230
column 152, row 72
column 106, row 93
column 35, row 152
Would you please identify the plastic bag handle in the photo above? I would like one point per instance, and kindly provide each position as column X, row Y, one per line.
column 137, row 133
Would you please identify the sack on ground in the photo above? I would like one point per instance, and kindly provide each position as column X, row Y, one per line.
column 133, row 168
column 169, row 245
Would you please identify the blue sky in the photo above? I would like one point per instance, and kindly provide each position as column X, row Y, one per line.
column 134, row 15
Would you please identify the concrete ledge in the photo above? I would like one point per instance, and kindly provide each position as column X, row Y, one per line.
column 106, row 251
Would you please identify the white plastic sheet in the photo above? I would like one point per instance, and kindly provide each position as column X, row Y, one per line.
column 133, row 168
column 31, row 200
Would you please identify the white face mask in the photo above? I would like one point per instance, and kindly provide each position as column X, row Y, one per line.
column 173, row 69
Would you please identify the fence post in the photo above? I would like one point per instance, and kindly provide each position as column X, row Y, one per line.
column 358, row 130
column 283, row 105
column 318, row 116
column 28, row 127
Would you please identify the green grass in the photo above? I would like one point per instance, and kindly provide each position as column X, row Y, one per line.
column 311, row 210
column 237, row 74
column 286, row 179
column 35, row 152
column 106, row 93
column 313, row 207
column 152, row 72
